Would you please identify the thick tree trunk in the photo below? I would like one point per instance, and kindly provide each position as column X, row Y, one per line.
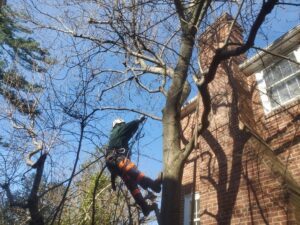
column 33, row 200
column 171, row 196
column 173, row 157
column 173, row 161
column 37, row 218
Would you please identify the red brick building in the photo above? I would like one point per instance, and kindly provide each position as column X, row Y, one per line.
column 224, row 181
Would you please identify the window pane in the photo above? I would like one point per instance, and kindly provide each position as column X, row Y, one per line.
column 276, row 74
column 279, row 89
column 274, row 97
column 295, row 67
column 283, row 93
column 187, row 209
column 285, row 68
column 268, row 77
column 293, row 86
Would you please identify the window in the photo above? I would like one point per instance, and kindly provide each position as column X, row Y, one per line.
column 282, row 81
column 188, row 207
column 197, row 210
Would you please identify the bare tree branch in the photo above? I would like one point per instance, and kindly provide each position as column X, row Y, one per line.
column 287, row 3
column 11, row 198
column 131, row 110
column 180, row 11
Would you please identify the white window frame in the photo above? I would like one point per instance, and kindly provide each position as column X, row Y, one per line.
column 262, row 87
column 187, row 208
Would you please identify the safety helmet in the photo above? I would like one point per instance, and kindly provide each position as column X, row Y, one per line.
column 117, row 121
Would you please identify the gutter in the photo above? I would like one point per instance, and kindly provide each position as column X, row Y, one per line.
column 281, row 46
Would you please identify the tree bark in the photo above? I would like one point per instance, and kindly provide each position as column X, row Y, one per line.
column 33, row 200
column 170, row 206
column 173, row 157
column 171, row 195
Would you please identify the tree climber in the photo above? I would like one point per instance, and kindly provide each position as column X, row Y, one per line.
column 119, row 164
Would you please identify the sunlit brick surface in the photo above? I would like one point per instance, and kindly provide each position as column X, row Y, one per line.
column 224, row 169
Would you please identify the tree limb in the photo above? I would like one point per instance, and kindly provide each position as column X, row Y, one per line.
column 291, row 4
column 11, row 198
column 180, row 11
column 131, row 110
column 33, row 199
column 199, row 12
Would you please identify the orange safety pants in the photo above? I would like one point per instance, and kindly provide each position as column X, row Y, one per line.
column 132, row 177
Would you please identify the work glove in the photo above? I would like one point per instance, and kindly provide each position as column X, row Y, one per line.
column 142, row 119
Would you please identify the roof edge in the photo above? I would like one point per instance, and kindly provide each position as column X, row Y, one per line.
column 281, row 45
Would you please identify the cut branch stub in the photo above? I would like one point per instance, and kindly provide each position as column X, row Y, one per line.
column 39, row 147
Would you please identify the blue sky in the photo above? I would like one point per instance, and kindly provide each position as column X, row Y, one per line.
column 279, row 22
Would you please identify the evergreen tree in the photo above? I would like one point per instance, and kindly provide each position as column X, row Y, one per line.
column 18, row 53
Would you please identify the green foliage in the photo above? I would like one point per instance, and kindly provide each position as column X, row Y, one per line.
column 26, row 50
column 94, row 194
column 103, row 215
column 23, row 53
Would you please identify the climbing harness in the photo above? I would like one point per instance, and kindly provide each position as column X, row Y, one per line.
column 113, row 153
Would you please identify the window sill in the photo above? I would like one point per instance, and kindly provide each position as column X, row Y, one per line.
column 279, row 109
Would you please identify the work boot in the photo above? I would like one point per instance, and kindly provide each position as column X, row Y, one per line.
column 156, row 184
column 148, row 207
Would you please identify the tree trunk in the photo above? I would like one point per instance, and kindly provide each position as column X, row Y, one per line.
column 2, row 3
column 173, row 166
column 37, row 218
column 171, row 195
column 33, row 200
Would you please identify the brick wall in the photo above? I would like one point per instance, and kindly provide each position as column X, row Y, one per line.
column 234, row 186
